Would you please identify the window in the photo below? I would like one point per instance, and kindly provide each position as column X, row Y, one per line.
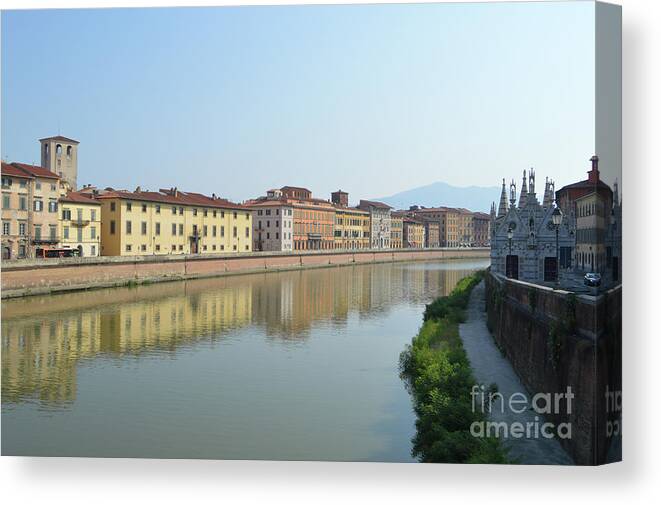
column 112, row 227
column 158, row 247
column 195, row 212
column 52, row 206
column 158, row 209
column 234, row 232
column 58, row 150
column 93, row 250
column 143, row 247
column 181, row 248
column 69, row 152
column 93, row 214
column 5, row 202
column 222, row 213
column 181, row 229
column 93, row 232
column 65, row 233
column 204, row 230
column 214, row 230
column 234, row 215
column 21, row 228
column 53, row 187
column 6, row 182
column 222, row 231
column 143, row 228
column 181, row 211
column 129, row 206
column 214, row 213
column 37, row 186
column 22, row 203
column 174, row 211
column 205, row 212
column 248, row 232
column 6, row 228
column 112, row 206
column 158, row 228
column 23, row 183
column 144, row 207
column 128, row 247
column 174, row 229
column 37, row 232
column 80, row 234
column 129, row 227
column 38, row 205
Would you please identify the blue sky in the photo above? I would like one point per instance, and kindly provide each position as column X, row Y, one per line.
column 371, row 99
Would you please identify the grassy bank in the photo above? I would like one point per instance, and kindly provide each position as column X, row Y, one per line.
column 439, row 377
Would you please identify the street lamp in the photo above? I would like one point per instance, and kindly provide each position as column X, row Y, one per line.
column 508, row 266
column 557, row 221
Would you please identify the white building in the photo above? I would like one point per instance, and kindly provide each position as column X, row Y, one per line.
column 272, row 221
column 379, row 223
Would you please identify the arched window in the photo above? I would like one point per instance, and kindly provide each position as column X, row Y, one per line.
column 58, row 149
column 69, row 149
column 46, row 149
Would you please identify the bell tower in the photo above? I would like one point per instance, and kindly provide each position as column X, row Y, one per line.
column 60, row 155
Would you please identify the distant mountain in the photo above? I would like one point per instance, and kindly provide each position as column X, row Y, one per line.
column 440, row 194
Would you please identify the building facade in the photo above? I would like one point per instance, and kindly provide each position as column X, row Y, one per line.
column 396, row 230
column 272, row 226
column 432, row 233
column 30, row 223
column 413, row 233
column 597, row 212
column 352, row 228
column 80, row 223
column 380, row 223
column 481, row 228
column 171, row 221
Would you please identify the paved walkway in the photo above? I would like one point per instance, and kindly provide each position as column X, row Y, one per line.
column 490, row 366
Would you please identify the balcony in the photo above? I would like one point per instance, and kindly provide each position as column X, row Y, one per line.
column 80, row 222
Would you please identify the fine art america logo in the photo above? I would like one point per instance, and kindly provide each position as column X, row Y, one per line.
column 488, row 400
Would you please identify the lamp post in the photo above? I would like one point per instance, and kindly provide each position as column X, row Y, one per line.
column 508, row 265
column 557, row 221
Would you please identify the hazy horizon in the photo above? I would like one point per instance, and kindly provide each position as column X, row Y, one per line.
column 372, row 99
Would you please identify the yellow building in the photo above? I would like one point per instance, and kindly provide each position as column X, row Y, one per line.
column 396, row 230
column 414, row 233
column 80, row 223
column 352, row 228
column 172, row 222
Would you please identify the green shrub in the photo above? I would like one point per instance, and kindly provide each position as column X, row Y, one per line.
column 438, row 375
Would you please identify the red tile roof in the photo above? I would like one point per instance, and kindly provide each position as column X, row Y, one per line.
column 78, row 197
column 60, row 138
column 181, row 198
column 36, row 171
column 8, row 169
column 368, row 203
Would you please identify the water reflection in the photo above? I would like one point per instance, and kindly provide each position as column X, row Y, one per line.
column 44, row 338
column 230, row 367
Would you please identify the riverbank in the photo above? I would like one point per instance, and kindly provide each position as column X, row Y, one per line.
column 490, row 366
column 438, row 374
column 36, row 277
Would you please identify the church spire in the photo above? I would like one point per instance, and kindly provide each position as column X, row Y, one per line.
column 523, row 197
column 548, row 194
column 502, row 208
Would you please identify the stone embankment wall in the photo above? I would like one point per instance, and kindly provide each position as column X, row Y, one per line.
column 555, row 339
column 31, row 277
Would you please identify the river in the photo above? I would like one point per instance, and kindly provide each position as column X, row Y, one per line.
column 298, row 365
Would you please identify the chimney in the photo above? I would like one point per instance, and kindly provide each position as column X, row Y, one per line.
column 137, row 190
column 593, row 175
